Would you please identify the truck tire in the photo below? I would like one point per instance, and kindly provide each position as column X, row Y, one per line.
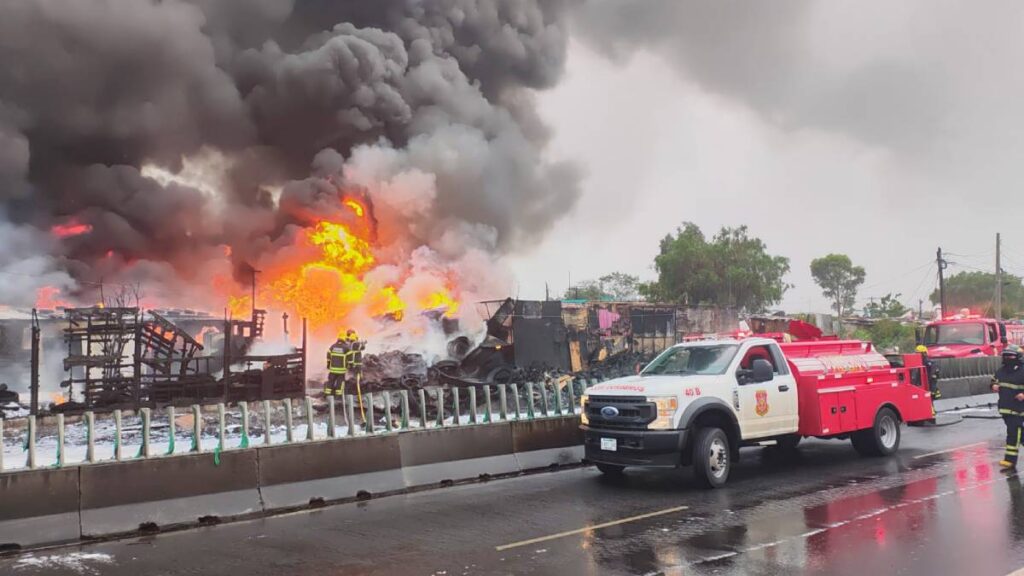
column 610, row 469
column 789, row 442
column 882, row 439
column 712, row 459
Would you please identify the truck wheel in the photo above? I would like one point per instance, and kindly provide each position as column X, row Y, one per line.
column 789, row 442
column 882, row 439
column 711, row 457
column 610, row 469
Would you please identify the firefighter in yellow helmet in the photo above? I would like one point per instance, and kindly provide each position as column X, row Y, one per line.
column 354, row 357
column 337, row 367
column 933, row 372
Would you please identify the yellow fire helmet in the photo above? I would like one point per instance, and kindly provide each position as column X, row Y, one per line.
column 352, row 336
column 922, row 349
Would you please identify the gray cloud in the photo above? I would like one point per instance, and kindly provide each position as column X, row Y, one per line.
column 804, row 64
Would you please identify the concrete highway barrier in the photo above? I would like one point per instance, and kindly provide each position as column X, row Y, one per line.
column 87, row 499
column 542, row 443
column 39, row 507
column 122, row 497
column 466, row 452
column 293, row 475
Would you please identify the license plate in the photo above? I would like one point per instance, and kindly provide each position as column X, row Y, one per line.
column 609, row 444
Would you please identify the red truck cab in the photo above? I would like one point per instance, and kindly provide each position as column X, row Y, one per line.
column 965, row 335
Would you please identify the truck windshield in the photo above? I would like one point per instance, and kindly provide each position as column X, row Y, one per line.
column 703, row 360
column 940, row 334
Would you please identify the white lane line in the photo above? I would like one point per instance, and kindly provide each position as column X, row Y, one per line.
column 976, row 444
column 592, row 527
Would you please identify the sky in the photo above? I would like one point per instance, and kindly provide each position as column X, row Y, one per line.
column 878, row 131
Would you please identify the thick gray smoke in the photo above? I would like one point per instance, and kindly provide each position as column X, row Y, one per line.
column 904, row 79
column 425, row 108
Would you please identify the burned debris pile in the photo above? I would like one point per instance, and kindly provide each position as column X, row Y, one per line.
column 533, row 341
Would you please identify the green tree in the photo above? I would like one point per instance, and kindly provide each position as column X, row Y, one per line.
column 838, row 279
column 888, row 335
column 586, row 290
column 976, row 290
column 620, row 286
column 614, row 286
column 888, row 306
column 733, row 269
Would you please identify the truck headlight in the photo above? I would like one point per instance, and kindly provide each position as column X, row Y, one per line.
column 666, row 406
column 584, row 400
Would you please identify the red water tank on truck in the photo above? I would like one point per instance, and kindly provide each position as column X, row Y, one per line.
column 697, row 403
column 966, row 335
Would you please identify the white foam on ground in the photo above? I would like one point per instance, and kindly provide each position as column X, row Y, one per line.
column 80, row 562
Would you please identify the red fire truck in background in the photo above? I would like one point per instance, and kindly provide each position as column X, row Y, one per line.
column 965, row 335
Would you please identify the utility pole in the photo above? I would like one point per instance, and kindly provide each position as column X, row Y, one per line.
column 920, row 308
column 942, row 283
column 999, row 282
column 254, row 273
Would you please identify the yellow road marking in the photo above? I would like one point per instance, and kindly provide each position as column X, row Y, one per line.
column 951, row 450
column 588, row 528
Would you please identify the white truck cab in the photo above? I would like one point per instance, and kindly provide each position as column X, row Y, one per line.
column 696, row 403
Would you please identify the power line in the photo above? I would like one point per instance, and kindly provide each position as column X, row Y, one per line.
column 917, row 291
column 900, row 277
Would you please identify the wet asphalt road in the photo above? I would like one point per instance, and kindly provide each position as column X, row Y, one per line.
column 821, row 511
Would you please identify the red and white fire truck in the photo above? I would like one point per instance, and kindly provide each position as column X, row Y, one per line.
column 699, row 402
column 965, row 335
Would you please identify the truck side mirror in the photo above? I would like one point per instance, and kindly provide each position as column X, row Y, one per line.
column 761, row 370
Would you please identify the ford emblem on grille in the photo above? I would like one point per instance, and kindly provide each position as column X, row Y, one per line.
column 609, row 411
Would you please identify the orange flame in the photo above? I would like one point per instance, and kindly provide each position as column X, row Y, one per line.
column 356, row 207
column 48, row 297
column 70, row 228
column 239, row 306
column 57, row 398
column 323, row 280
column 387, row 303
column 441, row 299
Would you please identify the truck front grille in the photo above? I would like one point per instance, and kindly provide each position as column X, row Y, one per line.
column 634, row 412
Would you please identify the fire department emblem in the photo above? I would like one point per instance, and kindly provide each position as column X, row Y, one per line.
column 762, row 402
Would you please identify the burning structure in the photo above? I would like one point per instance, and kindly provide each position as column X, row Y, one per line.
column 122, row 357
column 357, row 164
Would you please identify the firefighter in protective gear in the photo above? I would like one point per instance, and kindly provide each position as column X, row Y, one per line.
column 354, row 365
column 933, row 371
column 1009, row 383
column 337, row 367
column 354, row 355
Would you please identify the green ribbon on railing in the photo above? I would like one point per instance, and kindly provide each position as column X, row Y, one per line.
column 217, row 451
column 139, row 453
column 117, row 443
column 56, row 462
column 195, row 444
column 170, row 442
column 245, row 440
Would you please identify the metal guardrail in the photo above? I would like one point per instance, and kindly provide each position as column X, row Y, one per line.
column 338, row 418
